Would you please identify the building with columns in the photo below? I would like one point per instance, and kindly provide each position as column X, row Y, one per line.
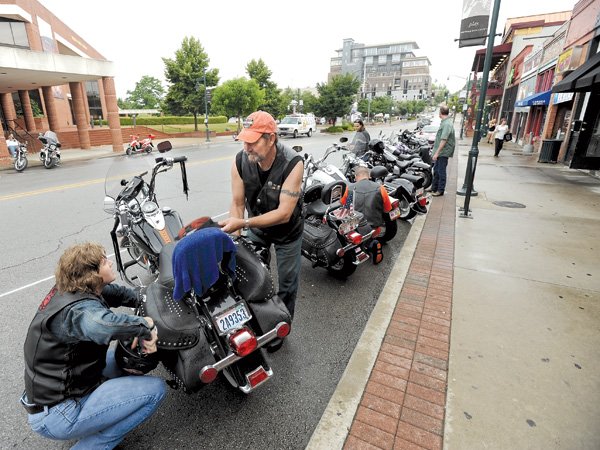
column 52, row 79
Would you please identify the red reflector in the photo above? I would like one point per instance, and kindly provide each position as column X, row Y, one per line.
column 257, row 377
column 423, row 201
column 243, row 342
column 208, row 374
column 354, row 237
column 395, row 204
column 283, row 329
column 340, row 252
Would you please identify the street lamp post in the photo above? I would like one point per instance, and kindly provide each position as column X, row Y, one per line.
column 206, row 109
column 474, row 152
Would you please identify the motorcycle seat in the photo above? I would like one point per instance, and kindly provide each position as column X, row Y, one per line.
column 403, row 164
column 316, row 208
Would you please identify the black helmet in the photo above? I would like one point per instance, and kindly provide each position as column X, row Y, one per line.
column 378, row 172
column 134, row 361
column 376, row 145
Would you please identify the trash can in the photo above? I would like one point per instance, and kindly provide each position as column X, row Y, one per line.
column 549, row 150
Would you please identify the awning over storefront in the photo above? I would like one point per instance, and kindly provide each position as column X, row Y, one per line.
column 537, row 99
column 579, row 79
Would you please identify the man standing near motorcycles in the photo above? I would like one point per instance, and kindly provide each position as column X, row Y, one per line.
column 266, row 180
column 360, row 143
column 444, row 148
column 73, row 386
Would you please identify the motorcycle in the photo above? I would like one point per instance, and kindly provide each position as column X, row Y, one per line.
column 406, row 187
column 137, row 146
column 335, row 237
column 21, row 162
column 50, row 153
column 222, row 327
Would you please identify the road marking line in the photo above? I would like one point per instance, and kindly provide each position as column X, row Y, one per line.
column 90, row 182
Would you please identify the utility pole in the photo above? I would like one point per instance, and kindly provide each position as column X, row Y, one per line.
column 206, row 108
column 474, row 152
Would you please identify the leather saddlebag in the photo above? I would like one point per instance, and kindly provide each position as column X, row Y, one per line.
column 320, row 243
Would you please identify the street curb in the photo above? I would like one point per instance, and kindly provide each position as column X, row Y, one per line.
column 335, row 423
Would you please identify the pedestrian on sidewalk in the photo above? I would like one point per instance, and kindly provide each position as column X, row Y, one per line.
column 12, row 144
column 491, row 129
column 444, row 148
column 501, row 131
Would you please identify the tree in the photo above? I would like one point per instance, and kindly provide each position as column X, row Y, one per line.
column 148, row 94
column 259, row 72
column 237, row 98
column 185, row 73
column 337, row 96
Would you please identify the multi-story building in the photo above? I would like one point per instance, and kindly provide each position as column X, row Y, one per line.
column 384, row 69
column 51, row 78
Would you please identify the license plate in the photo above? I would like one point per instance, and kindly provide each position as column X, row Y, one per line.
column 394, row 213
column 232, row 318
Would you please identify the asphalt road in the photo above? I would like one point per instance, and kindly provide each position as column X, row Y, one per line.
column 45, row 211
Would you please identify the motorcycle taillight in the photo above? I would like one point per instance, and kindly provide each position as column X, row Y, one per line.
column 354, row 237
column 243, row 342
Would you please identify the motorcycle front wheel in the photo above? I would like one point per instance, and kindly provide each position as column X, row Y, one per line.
column 48, row 162
column 21, row 163
column 344, row 267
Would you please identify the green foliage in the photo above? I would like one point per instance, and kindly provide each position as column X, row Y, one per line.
column 337, row 96
column 237, row 98
column 168, row 120
column 35, row 109
column 259, row 72
column 148, row 94
column 185, row 73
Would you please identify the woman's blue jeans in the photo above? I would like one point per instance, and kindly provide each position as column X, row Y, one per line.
column 101, row 419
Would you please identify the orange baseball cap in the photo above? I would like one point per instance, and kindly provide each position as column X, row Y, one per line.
column 255, row 125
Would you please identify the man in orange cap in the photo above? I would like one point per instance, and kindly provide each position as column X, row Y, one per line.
column 266, row 180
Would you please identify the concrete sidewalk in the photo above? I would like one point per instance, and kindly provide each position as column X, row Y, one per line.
column 489, row 338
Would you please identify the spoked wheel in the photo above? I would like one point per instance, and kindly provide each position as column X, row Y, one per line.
column 344, row 267
column 21, row 163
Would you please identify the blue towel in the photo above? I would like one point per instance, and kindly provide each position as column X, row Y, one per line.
column 196, row 260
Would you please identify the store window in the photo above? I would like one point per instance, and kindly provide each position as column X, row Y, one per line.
column 13, row 33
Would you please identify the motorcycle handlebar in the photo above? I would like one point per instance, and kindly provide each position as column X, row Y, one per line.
column 175, row 159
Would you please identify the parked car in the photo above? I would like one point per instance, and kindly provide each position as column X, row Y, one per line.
column 428, row 132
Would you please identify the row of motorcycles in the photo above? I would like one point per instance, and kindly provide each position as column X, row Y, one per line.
column 225, row 324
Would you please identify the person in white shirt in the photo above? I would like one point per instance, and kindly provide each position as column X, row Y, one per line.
column 12, row 144
column 501, row 130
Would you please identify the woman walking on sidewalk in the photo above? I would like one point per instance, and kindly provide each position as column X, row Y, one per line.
column 501, row 130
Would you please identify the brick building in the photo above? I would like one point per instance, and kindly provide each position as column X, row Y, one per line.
column 52, row 79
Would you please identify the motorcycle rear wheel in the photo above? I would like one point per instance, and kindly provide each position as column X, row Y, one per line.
column 391, row 228
column 149, row 148
column 428, row 177
column 21, row 163
column 344, row 267
column 406, row 212
column 128, row 150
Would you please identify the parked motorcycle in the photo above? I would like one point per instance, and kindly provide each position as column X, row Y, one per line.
column 137, row 146
column 50, row 153
column 334, row 237
column 21, row 162
column 224, row 325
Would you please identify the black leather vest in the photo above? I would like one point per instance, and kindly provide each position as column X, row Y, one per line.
column 368, row 200
column 54, row 370
column 261, row 199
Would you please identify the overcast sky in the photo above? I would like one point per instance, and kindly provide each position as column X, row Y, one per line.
column 296, row 39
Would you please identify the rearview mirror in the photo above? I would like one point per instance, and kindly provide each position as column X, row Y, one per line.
column 343, row 139
column 109, row 205
column 297, row 148
column 164, row 146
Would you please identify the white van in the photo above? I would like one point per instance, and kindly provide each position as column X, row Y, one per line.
column 296, row 124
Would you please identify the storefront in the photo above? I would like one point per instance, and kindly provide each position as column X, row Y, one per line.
column 584, row 145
